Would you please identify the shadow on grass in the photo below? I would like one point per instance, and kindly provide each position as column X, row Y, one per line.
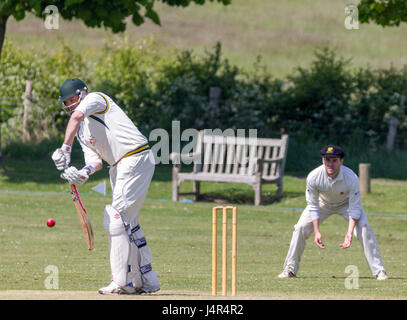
column 19, row 171
column 44, row 171
column 366, row 278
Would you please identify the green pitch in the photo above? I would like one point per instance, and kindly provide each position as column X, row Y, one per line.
column 179, row 235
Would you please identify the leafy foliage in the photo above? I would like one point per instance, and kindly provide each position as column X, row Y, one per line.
column 47, row 72
column 317, row 96
column 332, row 101
column 96, row 13
column 328, row 101
column 383, row 12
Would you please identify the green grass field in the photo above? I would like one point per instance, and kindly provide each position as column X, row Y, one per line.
column 179, row 235
column 284, row 33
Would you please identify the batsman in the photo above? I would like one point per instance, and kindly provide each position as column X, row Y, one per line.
column 106, row 133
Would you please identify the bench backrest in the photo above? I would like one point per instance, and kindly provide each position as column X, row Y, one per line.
column 236, row 155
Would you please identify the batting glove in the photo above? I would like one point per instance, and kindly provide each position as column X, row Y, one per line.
column 62, row 157
column 75, row 176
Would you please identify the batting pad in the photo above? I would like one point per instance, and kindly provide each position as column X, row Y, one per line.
column 119, row 245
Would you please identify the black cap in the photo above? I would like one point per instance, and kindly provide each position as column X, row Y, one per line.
column 332, row 151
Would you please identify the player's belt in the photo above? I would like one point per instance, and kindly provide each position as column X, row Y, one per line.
column 138, row 150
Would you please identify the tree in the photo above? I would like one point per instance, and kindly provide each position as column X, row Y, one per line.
column 383, row 12
column 94, row 13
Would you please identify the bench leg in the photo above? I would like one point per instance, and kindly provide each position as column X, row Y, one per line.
column 280, row 189
column 257, row 194
column 175, row 190
column 197, row 190
column 175, row 182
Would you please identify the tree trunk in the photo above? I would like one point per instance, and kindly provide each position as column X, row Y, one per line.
column 3, row 21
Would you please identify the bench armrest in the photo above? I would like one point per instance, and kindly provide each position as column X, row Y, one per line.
column 177, row 158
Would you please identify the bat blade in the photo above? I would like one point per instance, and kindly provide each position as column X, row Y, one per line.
column 83, row 217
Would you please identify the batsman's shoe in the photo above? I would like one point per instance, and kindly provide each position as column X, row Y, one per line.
column 114, row 288
column 382, row 275
column 286, row 274
column 147, row 290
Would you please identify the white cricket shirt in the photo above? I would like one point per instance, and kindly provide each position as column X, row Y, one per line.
column 106, row 132
column 323, row 191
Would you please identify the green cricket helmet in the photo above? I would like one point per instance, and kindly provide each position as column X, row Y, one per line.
column 70, row 88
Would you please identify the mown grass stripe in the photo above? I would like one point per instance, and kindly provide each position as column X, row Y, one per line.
column 166, row 200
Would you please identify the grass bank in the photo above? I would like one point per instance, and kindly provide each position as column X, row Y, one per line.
column 284, row 33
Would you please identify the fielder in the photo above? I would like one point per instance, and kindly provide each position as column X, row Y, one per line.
column 333, row 188
column 106, row 133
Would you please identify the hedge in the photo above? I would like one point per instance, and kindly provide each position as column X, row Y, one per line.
column 328, row 101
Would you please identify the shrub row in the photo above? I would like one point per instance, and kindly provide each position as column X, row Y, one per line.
column 329, row 100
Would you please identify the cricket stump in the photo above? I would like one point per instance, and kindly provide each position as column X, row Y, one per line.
column 224, row 211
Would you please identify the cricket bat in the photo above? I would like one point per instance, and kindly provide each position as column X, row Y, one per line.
column 83, row 217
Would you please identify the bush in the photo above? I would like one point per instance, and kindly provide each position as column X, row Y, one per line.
column 47, row 72
column 328, row 102
column 154, row 90
column 316, row 99
column 331, row 101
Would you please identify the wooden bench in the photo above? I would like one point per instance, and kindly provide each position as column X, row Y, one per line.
column 221, row 158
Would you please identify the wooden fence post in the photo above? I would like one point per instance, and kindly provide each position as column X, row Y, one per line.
column 364, row 178
column 391, row 135
column 214, row 97
column 27, row 108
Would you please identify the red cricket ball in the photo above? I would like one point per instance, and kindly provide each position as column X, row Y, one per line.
column 50, row 223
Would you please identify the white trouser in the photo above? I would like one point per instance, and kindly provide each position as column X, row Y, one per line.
column 304, row 228
column 130, row 257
